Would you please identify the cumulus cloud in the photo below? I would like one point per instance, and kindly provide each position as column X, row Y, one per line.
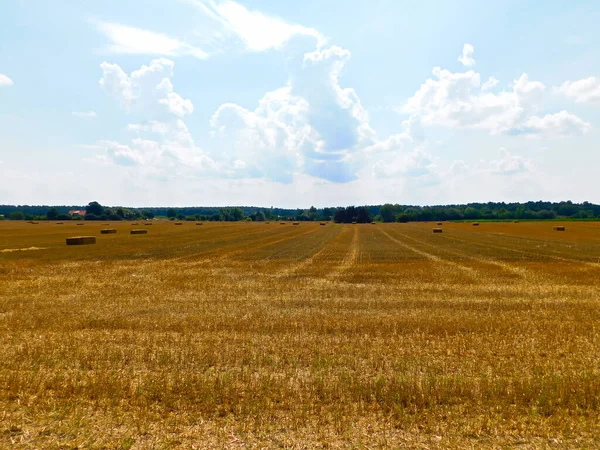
column 146, row 89
column 466, row 57
column 5, row 81
column 165, row 148
column 256, row 30
column 136, row 41
column 85, row 114
column 561, row 124
column 508, row 164
column 491, row 83
column 582, row 91
column 414, row 164
column 456, row 100
column 313, row 125
column 268, row 141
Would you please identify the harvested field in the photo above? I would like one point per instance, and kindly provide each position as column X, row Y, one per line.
column 241, row 335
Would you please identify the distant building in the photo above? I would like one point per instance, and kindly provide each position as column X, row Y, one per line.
column 77, row 212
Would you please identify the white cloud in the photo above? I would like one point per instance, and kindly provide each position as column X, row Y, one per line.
column 561, row 124
column 313, row 125
column 85, row 114
column 257, row 31
column 266, row 142
column 582, row 91
column 466, row 58
column 456, row 100
column 135, row 41
column 146, row 89
column 169, row 152
column 459, row 100
column 508, row 164
column 414, row 164
column 5, row 81
column 491, row 83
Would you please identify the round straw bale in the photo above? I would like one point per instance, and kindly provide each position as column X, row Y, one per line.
column 108, row 231
column 559, row 228
column 475, row 224
column 138, row 232
column 178, row 223
column 437, row 230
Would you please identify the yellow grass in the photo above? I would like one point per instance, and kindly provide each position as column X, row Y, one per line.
column 245, row 336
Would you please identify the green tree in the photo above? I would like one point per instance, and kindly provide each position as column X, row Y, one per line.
column 387, row 212
column 237, row 214
column 17, row 215
column 171, row 213
column 94, row 208
column 52, row 214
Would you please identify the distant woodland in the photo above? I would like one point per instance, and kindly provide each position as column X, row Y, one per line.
column 539, row 210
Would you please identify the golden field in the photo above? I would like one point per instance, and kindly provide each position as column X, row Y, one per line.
column 250, row 335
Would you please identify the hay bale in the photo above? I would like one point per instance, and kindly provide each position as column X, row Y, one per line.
column 199, row 223
column 80, row 224
column 354, row 223
column 515, row 221
column 439, row 223
column 296, row 223
column 108, row 231
column 323, row 223
column 178, row 223
column 138, row 232
column 59, row 223
column 81, row 240
column 475, row 224
column 373, row 223
column 559, row 228
column 148, row 223
column 281, row 223
column 437, row 230
column 134, row 223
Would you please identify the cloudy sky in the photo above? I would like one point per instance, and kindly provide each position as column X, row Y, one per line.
column 292, row 104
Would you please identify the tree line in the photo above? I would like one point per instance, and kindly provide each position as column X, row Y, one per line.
column 361, row 214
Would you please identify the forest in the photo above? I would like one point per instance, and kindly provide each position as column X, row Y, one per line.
column 388, row 212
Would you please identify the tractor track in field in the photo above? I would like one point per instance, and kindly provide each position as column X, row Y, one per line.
column 595, row 265
column 518, row 271
column 430, row 256
column 229, row 254
column 235, row 249
column 294, row 268
column 350, row 258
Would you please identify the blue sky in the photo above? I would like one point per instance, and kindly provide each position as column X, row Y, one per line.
column 211, row 102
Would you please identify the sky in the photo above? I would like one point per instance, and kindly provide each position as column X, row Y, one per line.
column 293, row 104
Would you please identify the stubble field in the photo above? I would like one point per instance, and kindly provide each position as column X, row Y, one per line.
column 234, row 335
